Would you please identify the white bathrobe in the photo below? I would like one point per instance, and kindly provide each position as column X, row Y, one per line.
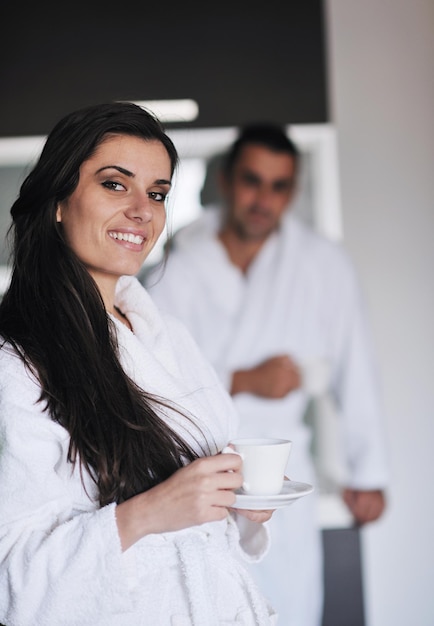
column 61, row 562
column 300, row 297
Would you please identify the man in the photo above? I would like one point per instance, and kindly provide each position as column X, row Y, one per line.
column 271, row 304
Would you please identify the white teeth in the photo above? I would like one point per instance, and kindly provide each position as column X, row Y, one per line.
column 137, row 239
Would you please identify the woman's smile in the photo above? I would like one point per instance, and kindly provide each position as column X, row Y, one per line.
column 128, row 237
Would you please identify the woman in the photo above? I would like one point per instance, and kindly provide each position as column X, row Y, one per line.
column 116, row 506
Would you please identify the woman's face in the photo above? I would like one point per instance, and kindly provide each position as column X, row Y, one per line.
column 115, row 215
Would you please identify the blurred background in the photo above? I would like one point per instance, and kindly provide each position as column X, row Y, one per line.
column 353, row 82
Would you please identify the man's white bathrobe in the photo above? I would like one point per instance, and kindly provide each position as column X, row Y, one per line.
column 61, row 562
column 300, row 297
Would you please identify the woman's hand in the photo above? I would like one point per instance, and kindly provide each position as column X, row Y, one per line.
column 203, row 491
column 255, row 516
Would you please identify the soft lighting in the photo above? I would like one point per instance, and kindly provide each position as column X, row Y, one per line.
column 172, row 110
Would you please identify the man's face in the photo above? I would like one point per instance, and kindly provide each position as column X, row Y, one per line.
column 258, row 191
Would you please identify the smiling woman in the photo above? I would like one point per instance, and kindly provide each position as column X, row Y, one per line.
column 117, row 505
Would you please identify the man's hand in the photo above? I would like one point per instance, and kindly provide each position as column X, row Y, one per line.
column 365, row 505
column 273, row 378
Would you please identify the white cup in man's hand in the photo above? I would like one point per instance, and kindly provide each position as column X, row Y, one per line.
column 264, row 463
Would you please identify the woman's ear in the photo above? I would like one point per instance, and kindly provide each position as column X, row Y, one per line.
column 58, row 214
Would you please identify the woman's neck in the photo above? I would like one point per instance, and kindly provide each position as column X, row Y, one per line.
column 119, row 315
column 107, row 288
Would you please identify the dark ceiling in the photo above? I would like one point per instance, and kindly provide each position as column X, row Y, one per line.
column 240, row 62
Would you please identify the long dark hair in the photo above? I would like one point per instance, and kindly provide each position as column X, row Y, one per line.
column 54, row 317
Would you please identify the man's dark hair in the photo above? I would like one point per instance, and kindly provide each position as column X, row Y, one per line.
column 269, row 135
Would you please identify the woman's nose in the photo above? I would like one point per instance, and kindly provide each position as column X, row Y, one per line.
column 140, row 209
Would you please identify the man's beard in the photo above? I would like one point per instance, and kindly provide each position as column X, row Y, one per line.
column 246, row 231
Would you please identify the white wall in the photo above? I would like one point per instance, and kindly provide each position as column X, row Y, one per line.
column 381, row 64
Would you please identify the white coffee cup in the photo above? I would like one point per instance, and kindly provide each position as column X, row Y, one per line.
column 264, row 463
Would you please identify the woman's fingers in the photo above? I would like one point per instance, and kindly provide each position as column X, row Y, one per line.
column 223, row 471
column 206, row 482
column 256, row 516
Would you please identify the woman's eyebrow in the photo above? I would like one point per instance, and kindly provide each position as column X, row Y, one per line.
column 122, row 170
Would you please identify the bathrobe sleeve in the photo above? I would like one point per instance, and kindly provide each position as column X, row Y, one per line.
column 59, row 552
column 356, row 380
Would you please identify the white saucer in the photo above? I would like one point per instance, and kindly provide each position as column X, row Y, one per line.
column 290, row 492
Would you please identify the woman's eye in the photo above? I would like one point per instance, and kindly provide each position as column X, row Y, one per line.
column 158, row 196
column 111, row 184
